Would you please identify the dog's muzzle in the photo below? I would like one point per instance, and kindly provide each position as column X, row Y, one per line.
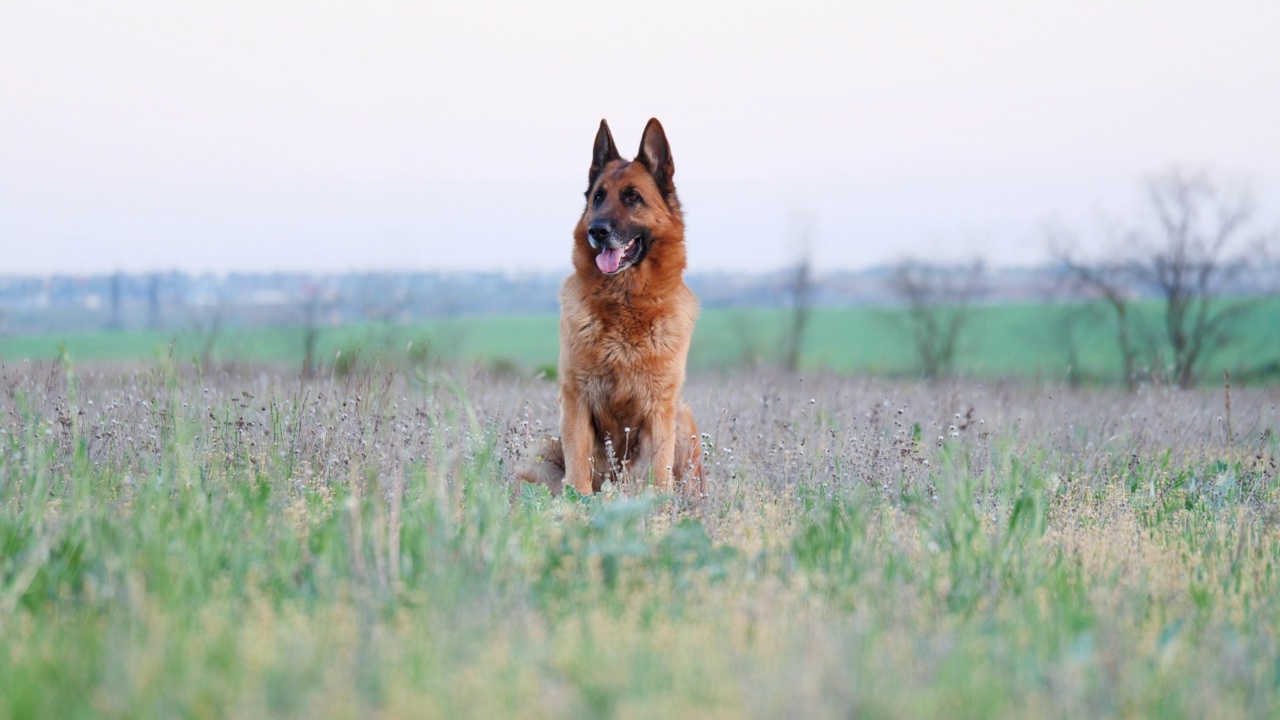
column 598, row 233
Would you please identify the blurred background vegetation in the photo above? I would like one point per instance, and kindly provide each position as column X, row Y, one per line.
column 1067, row 342
column 1177, row 294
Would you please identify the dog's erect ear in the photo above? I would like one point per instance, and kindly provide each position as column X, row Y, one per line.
column 655, row 154
column 605, row 152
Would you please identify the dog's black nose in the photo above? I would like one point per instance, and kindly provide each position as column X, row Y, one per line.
column 599, row 232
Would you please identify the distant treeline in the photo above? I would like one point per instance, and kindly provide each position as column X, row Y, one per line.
column 176, row 300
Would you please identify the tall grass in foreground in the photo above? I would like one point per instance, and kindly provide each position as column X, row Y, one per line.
column 246, row 545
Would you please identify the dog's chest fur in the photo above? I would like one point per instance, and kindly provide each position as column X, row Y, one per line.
column 628, row 352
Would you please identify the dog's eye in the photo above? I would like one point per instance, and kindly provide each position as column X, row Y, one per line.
column 598, row 197
column 631, row 197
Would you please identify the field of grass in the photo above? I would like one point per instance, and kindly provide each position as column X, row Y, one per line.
column 240, row 543
column 1023, row 341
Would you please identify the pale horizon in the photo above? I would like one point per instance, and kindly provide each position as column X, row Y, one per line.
column 151, row 137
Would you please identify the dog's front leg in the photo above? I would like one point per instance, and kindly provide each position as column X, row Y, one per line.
column 578, row 440
column 658, row 451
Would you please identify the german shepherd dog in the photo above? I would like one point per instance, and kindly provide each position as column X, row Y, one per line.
column 626, row 320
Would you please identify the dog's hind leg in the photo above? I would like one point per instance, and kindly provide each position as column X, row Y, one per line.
column 688, row 468
column 546, row 467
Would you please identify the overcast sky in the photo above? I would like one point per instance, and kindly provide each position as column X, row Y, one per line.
column 380, row 135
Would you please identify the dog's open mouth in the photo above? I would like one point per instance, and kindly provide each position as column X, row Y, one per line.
column 612, row 260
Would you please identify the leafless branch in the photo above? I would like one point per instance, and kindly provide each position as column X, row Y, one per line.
column 801, row 291
column 938, row 300
column 1192, row 253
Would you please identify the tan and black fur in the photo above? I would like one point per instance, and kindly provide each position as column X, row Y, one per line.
column 626, row 320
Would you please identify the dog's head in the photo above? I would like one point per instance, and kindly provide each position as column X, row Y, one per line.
column 631, row 206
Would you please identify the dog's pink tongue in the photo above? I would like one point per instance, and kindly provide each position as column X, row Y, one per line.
column 609, row 260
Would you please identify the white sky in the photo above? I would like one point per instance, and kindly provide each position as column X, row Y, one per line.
column 312, row 136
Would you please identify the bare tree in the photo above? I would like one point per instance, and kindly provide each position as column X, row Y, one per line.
column 1199, row 246
column 938, row 301
column 1192, row 251
column 801, row 292
column 386, row 305
column 310, row 330
column 153, row 301
column 1109, row 281
column 116, row 322
column 206, row 331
